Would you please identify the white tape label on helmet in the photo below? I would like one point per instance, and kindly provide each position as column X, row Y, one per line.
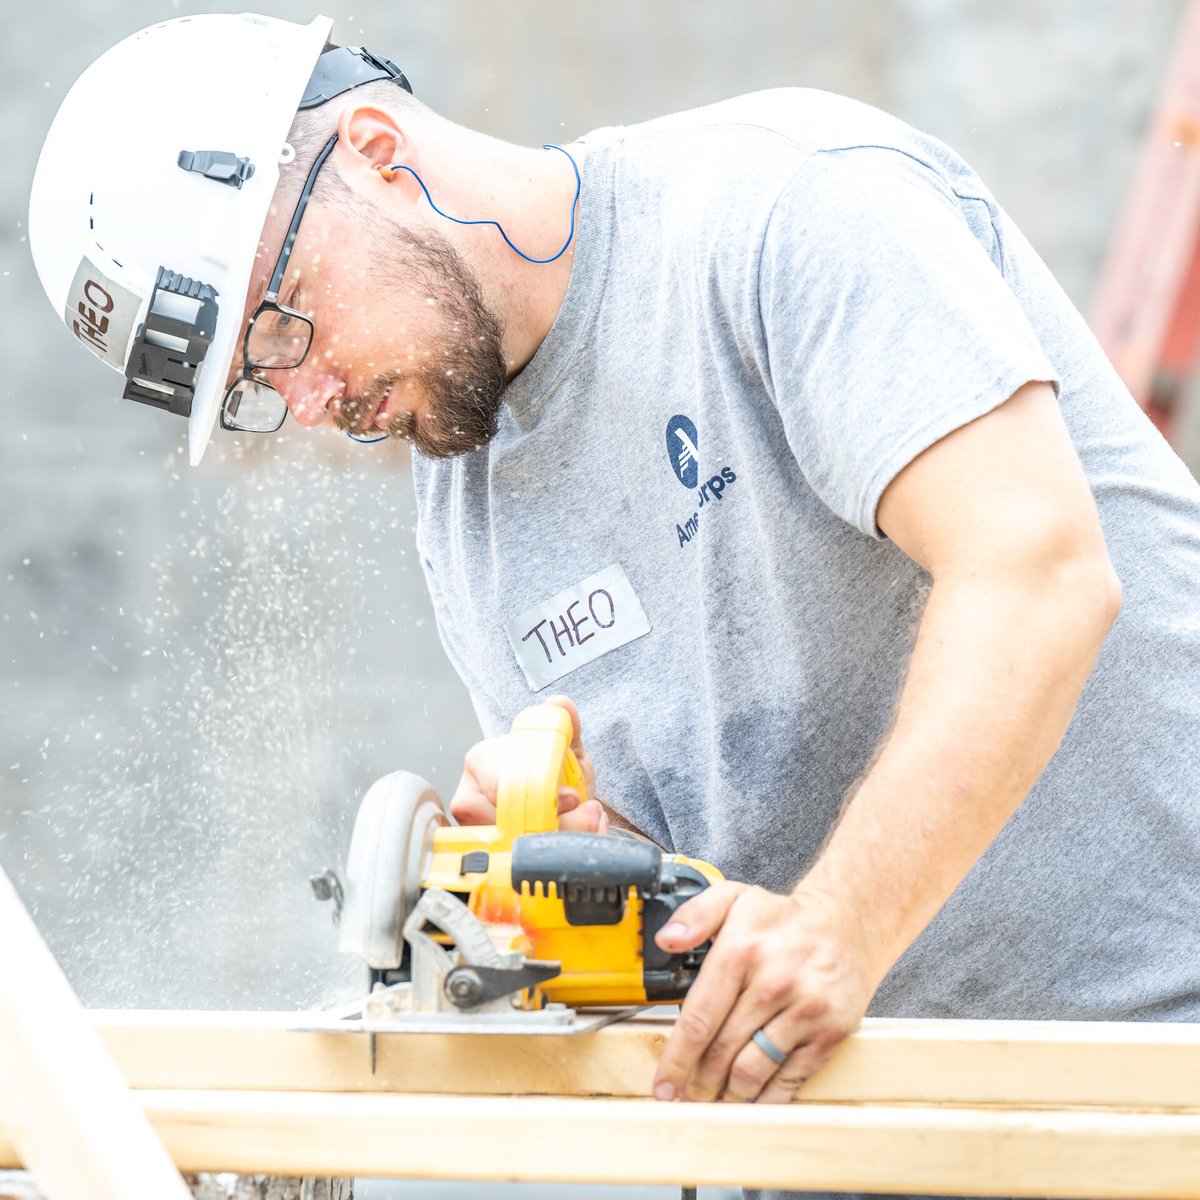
column 101, row 313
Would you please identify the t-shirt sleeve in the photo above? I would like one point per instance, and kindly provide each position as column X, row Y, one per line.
column 886, row 320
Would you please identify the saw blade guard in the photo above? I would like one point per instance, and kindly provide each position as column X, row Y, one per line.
column 390, row 851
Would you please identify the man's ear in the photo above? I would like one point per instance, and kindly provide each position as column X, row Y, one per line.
column 369, row 138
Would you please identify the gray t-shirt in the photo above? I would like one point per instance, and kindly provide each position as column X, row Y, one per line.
column 776, row 303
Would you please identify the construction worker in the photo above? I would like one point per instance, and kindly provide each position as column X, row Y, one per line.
column 762, row 433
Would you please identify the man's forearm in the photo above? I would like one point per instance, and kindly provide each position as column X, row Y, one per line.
column 998, row 667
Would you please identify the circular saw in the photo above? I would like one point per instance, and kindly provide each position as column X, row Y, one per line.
column 513, row 927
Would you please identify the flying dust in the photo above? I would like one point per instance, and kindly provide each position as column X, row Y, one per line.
column 276, row 634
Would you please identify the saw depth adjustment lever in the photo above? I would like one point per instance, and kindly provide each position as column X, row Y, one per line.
column 469, row 986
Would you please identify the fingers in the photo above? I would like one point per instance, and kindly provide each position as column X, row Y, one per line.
column 713, row 996
column 781, row 1088
column 581, row 755
column 472, row 808
column 702, row 1015
column 474, row 800
column 754, row 1074
column 730, row 1063
column 726, row 1066
column 588, row 817
column 700, row 918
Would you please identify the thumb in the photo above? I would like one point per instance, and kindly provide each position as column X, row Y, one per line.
column 700, row 918
column 587, row 817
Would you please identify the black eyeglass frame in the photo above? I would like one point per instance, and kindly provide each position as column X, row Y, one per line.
column 270, row 303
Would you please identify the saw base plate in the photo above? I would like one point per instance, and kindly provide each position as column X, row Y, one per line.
column 554, row 1020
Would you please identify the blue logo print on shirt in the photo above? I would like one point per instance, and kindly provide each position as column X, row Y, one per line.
column 683, row 449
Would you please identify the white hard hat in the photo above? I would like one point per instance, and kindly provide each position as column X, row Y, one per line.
column 151, row 194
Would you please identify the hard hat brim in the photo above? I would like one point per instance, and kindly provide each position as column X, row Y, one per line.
column 211, row 381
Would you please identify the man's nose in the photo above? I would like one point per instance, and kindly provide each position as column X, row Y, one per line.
column 309, row 394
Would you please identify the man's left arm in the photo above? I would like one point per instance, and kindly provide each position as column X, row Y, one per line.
column 1000, row 515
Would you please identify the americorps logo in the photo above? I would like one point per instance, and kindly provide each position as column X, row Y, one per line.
column 683, row 450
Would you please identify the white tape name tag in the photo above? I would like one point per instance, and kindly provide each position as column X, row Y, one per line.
column 101, row 313
column 577, row 626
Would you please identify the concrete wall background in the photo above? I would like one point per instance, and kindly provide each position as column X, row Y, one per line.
column 201, row 671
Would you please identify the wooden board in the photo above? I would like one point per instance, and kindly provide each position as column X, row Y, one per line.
column 62, row 1099
column 953, row 1107
column 1087, row 1153
column 1017, row 1063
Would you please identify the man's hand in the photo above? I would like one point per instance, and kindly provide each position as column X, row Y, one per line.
column 474, row 800
column 793, row 966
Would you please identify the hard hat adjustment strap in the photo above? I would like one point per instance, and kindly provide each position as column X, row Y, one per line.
column 171, row 344
column 347, row 67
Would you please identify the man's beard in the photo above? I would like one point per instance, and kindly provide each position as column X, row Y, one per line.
column 462, row 382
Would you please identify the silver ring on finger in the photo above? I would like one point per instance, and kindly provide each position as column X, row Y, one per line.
column 768, row 1047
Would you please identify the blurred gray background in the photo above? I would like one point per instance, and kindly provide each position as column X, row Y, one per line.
column 202, row 670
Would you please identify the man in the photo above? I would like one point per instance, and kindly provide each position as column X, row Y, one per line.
column 762, row 432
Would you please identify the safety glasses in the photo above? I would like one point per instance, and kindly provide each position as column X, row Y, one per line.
column 278, row 338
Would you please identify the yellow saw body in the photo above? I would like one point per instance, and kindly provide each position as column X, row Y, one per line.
column 601, row 964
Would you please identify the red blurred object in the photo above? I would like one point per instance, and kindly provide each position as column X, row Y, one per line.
column 1146, row 311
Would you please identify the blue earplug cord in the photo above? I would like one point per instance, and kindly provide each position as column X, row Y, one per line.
column 507, row 239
